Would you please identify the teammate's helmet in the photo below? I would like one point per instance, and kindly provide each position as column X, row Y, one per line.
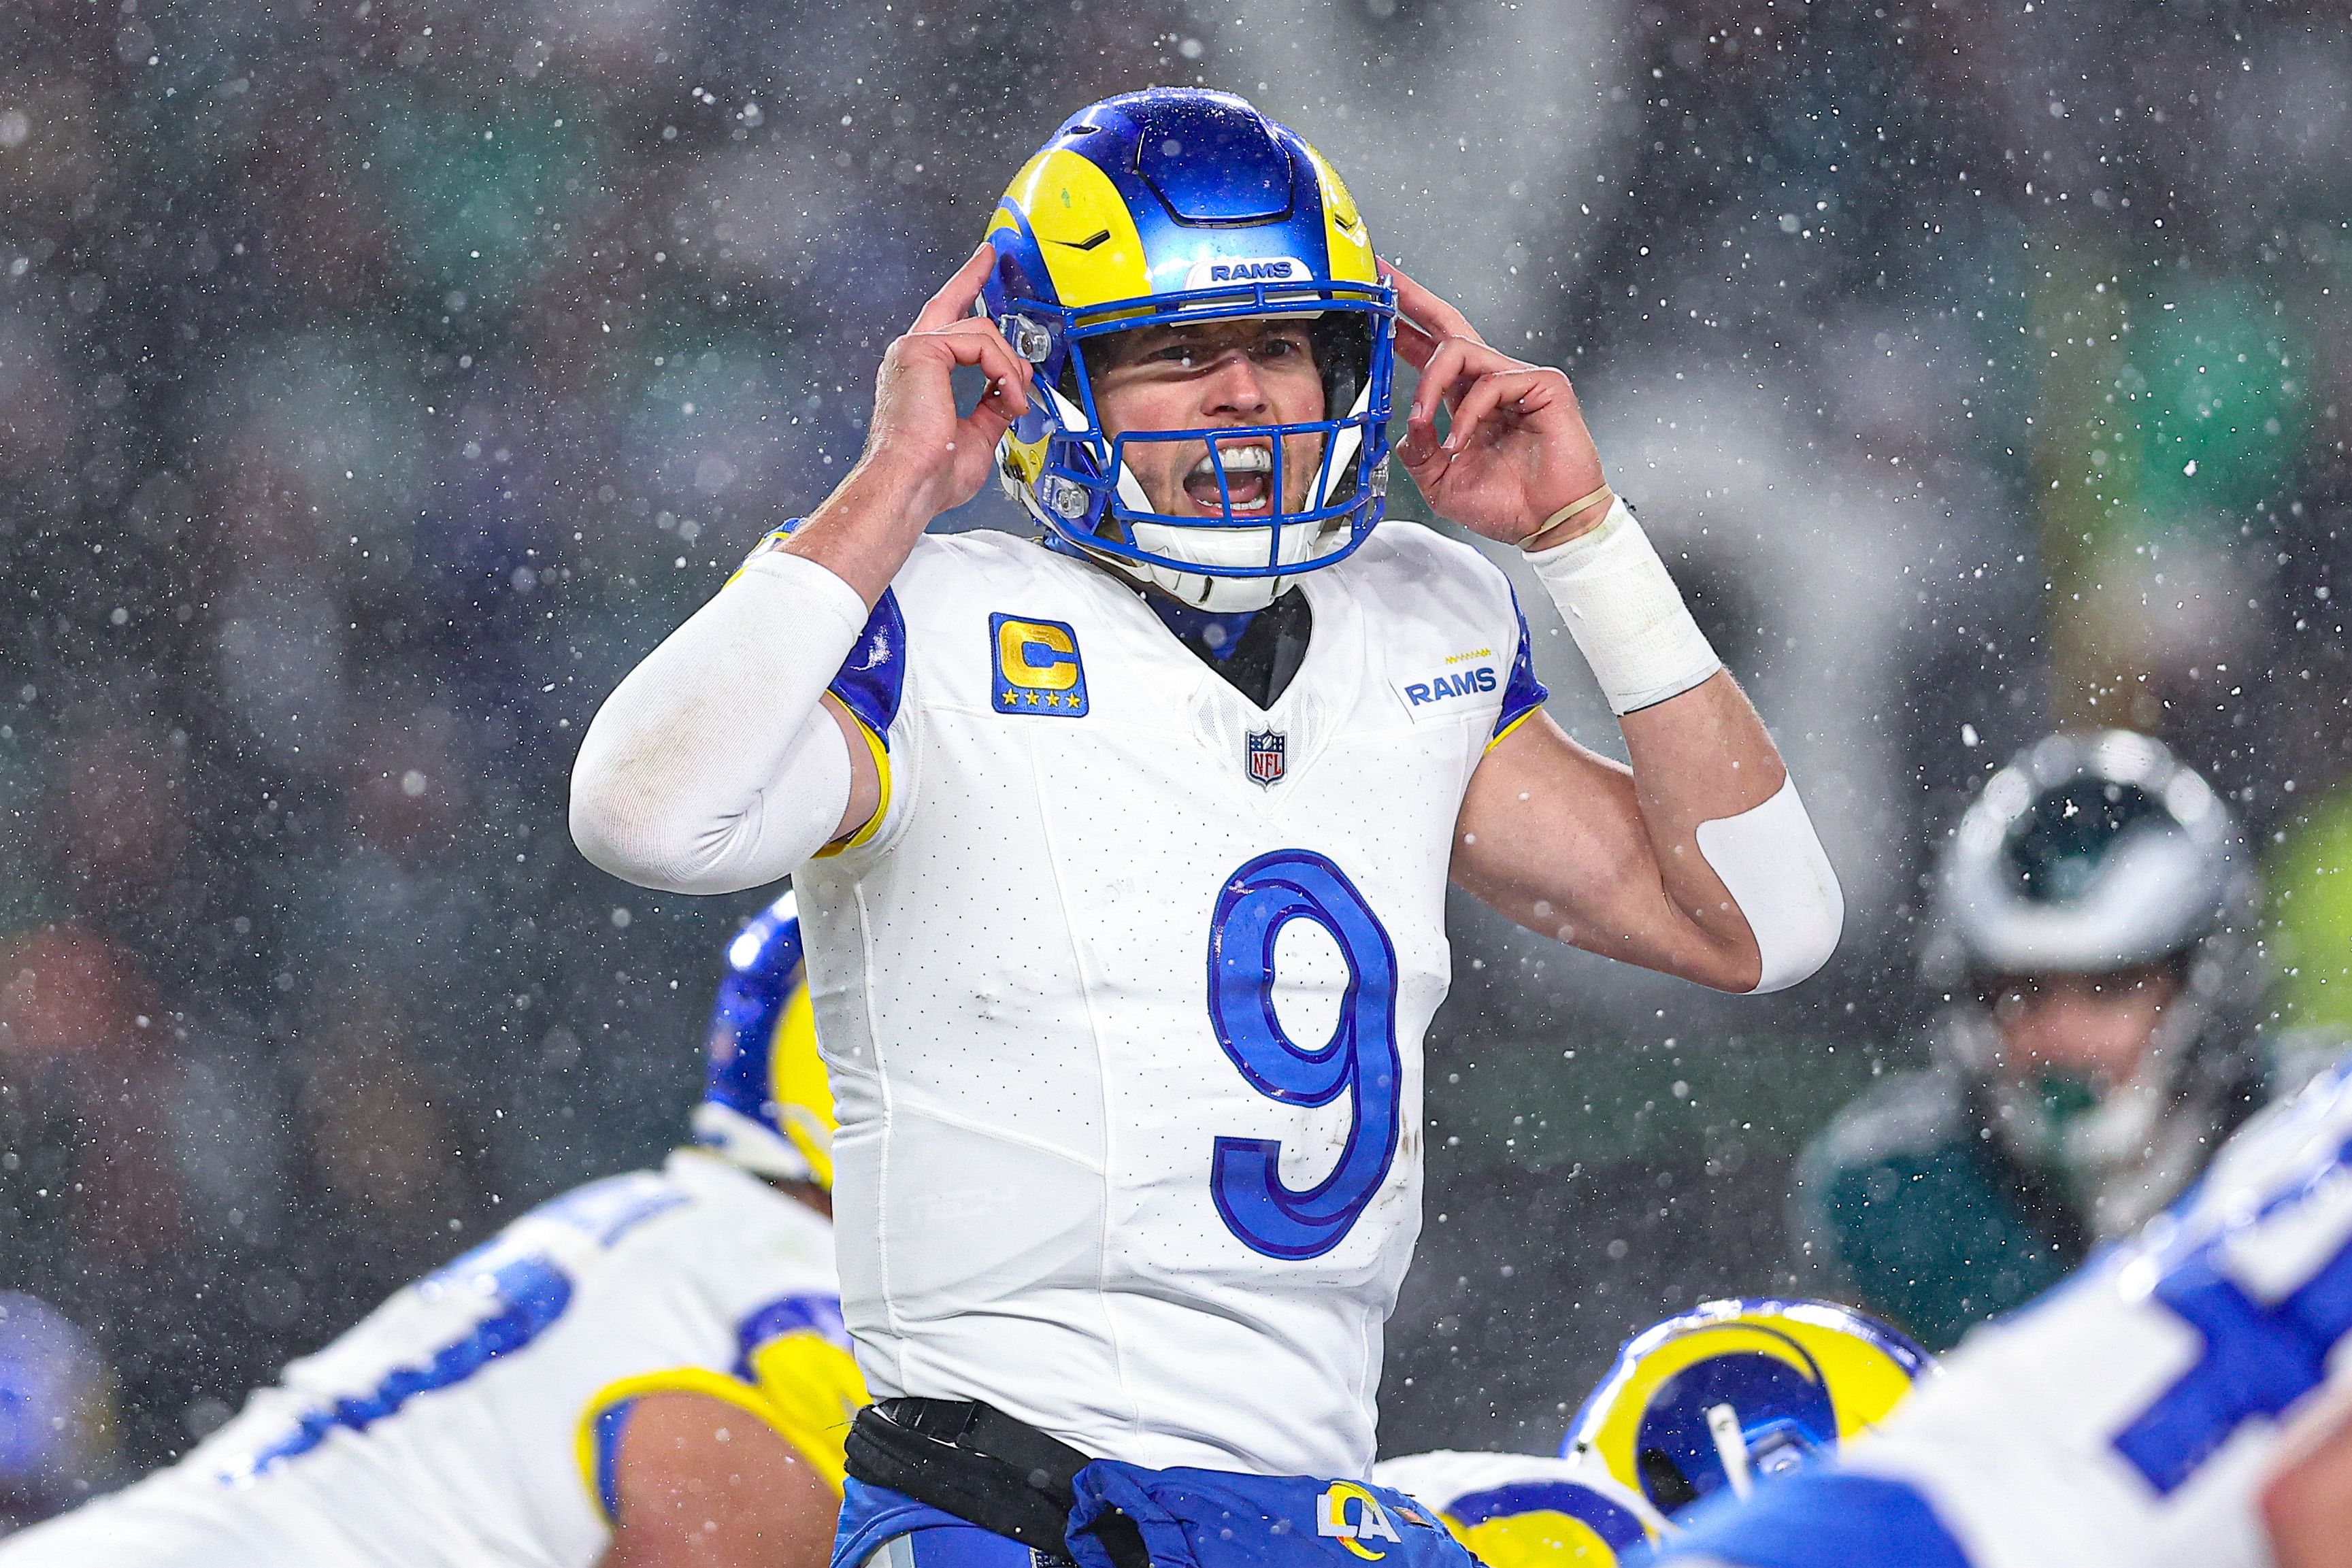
column 2088, row 853
column 1180, row 205
column 1556, row 1522
column 766, row 1104
column 1733, row 1391
column 1516, row 1511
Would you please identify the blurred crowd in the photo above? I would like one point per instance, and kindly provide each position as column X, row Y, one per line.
column 379, row 379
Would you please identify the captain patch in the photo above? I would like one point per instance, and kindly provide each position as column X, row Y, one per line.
column 1037, row 667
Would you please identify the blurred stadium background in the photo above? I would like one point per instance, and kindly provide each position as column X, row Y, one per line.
column 378, row 377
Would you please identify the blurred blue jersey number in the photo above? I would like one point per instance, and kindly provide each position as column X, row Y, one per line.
column 525, row 1290
column 2260, row 1356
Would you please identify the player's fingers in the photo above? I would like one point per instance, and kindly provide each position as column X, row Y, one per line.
column 979, row 343
column 1524, row 389
column 1478, row 360
column 954, row 300
column 1434, row 372
column 1414, row 344
column 988, row 422
column 1427, row 311
column 1420, row 451
column 1449, row 373
column 1424, row 459
column 976, row 327
column 1487, row 394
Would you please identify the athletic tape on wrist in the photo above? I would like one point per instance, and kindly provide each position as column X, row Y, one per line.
column 1625, row 613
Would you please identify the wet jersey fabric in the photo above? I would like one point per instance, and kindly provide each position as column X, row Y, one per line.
column 1526, row 1511
column 471, row 1419
column 1122, row 993
column 2129, row 1416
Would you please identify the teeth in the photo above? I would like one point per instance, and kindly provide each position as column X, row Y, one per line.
column 1238, row 460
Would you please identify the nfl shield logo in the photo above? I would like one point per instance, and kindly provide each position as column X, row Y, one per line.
column 1267, row 753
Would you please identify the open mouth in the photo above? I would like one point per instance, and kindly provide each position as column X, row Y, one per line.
column 1249, row 479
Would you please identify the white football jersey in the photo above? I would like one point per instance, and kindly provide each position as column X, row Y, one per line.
column 1122, row 993
column 2129, row 1417
column 472, row 1419
column 1526, row 1511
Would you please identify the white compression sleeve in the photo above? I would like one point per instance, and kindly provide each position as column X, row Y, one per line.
column 1772, row 862
column 713, row 767
column 1625, row 614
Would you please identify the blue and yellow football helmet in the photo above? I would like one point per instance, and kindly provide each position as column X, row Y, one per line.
column 767, row 1104
column 1178, row 205
column 1731, row 1391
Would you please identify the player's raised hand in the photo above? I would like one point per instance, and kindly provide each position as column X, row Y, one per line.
column 921, row 457
column 916, row 437
column 1516, row 451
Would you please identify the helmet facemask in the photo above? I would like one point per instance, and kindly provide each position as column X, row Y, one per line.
column 1087, row 492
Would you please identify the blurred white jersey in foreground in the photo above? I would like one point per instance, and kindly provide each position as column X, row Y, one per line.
column 2132, row 1416
column 473, row 1419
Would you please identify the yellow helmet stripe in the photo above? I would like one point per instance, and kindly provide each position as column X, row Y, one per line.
column 1092, row 251
column 1865, row 1384
column 1344, row 231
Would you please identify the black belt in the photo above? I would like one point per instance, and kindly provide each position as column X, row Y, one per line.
column 986, row 1469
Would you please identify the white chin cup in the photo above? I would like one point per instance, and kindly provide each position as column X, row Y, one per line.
column 1300, row 545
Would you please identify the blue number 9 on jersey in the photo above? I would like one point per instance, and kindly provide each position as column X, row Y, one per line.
column 1245, row 1173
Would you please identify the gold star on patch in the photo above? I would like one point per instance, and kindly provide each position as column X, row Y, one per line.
column 1010, row 699
column 1031, row 697
column 1053, row 699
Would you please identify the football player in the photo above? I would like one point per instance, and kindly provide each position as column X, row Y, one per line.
column 648, row 1372
column 2141, row 1413
column 1734, row 1393
column 2094, row 923
column 1127, row 915
column 1725, row 1395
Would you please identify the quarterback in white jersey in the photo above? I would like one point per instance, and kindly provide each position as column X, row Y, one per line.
column 1130, row 916
column 2133, row 1416
column 526, row 1404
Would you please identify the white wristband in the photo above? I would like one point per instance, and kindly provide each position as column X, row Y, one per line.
column 1623, row 610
